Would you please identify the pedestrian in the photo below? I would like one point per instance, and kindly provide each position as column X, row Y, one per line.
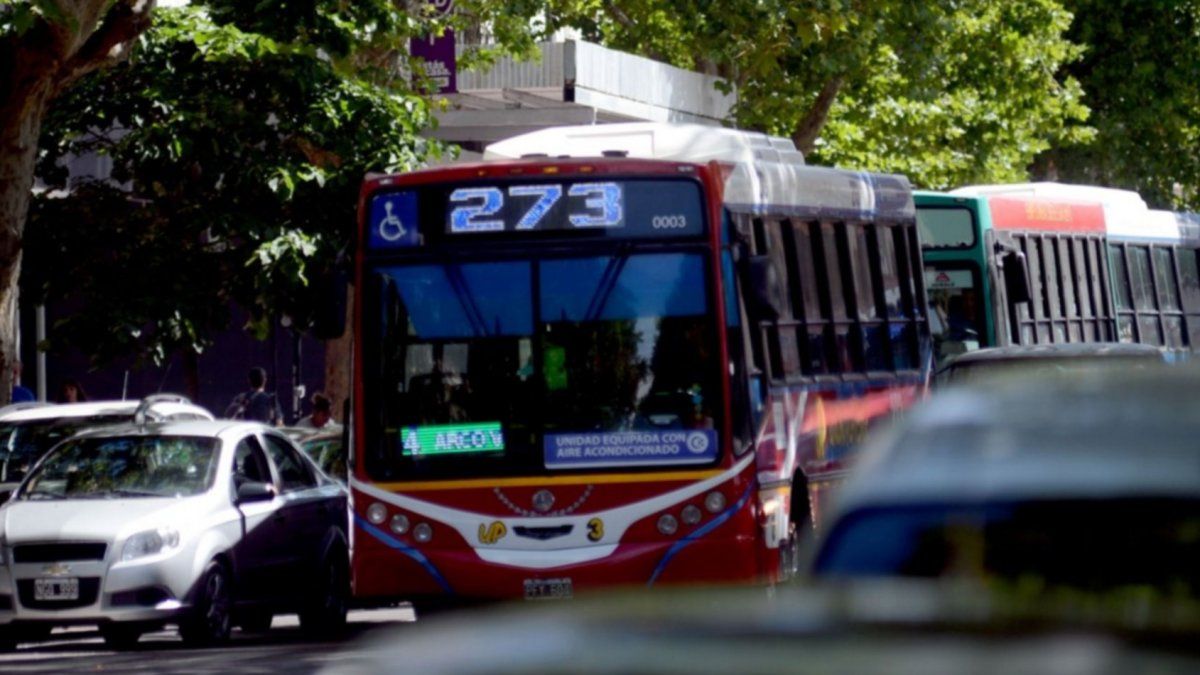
column 71, row 392
column 20, row 393
column 256, row 404
column 321, row 416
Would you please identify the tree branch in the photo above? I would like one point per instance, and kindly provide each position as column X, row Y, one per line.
column 805, row 136
column 629, row 24
column 124, row 21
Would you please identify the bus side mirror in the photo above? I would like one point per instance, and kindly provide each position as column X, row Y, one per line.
column 763, row 297
column 329, row 306
column 1016, row 277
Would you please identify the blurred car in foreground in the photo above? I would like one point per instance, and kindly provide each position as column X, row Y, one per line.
column 201, row 524
column 326, row 448
column 1056, row 358
column 864, row 629
column 1081, row 489
column 28, row 430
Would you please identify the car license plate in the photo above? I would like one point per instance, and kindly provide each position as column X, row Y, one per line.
column 548, row 589
column 56, row 589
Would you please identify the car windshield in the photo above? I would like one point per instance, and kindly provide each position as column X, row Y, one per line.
column 510, row 366
column 22, row 444
column 125, row 466
column 1086, row 544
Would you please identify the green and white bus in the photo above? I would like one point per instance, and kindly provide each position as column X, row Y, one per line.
column 1047, row 263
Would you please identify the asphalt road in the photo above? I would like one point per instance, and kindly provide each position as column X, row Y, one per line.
column 282, row 650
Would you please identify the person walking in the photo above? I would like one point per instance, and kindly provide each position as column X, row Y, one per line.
column 256, row 404
column 321, row 417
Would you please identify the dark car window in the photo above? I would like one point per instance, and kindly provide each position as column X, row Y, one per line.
column 1088, row 544
column 294, row 474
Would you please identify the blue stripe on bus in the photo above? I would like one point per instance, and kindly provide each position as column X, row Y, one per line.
column 392, row 542
column 700, row 532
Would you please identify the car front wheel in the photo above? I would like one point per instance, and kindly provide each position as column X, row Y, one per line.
column 210, row 621
column 325, row 613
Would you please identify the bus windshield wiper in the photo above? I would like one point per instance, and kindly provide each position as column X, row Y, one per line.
column 604, row 289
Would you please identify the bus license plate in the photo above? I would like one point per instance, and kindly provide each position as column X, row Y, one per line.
column 548, row 589
column 56, row 589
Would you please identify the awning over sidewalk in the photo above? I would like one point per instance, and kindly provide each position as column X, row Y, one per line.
column 576, row 82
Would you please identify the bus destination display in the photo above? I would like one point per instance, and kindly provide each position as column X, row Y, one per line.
column 596, row 208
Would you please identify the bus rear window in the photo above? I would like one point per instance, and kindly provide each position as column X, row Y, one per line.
column 946, row 227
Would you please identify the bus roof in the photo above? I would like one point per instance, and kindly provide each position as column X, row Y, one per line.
column 696, row 143
column 1025, row 212
column 1155, row 226
column 766, row 173
column 1121, row 207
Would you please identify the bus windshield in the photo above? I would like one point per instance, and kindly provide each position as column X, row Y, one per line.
column 956, row 309
column 946, row 227
column 532, row 366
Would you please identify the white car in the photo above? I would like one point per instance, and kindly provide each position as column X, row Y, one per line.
column 201, row 524
column 28, row 430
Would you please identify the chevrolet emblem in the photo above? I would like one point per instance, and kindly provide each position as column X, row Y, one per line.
column 57, row 570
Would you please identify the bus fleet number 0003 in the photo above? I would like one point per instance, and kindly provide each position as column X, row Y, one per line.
column 672, row 222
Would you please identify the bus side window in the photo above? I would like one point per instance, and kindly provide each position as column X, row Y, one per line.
column 1168, row 295
column 1189, row 281
column 839, row 332
column 1123, row 294
column 1142, row 285
column 815, row 321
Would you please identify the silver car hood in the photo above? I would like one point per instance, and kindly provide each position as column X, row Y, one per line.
column 91, row 519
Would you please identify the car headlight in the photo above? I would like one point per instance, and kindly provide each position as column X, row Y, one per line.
column 150, row 542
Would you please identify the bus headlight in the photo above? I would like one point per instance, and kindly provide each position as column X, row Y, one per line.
column 691, row 514
column 714, row 502
column 667, row 524
column 377, row 513
column 399, row 523
column 423, row 533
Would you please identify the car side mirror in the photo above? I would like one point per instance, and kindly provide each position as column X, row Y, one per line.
column 1016, row 277
column 255, row 491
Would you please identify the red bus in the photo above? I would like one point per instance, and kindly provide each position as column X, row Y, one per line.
column 609, row 368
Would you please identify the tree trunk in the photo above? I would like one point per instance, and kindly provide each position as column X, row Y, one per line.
column 809, row 129
column 35, row 65
column 21, row 112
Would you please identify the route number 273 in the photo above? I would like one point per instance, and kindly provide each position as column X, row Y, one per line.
column 480, row 209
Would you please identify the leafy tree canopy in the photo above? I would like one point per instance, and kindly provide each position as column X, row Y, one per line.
column 238, row 136
column 947, row 92
column 1141, row 74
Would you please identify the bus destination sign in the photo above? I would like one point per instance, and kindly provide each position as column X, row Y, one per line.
column 597, row 208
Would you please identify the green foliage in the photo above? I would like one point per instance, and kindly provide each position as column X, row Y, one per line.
column 965, row 92
column 948, row 92
column 1141, row 72
column 18, row 16
column 239, row 156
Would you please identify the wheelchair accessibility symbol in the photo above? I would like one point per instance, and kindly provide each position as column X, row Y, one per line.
column 391, row 228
